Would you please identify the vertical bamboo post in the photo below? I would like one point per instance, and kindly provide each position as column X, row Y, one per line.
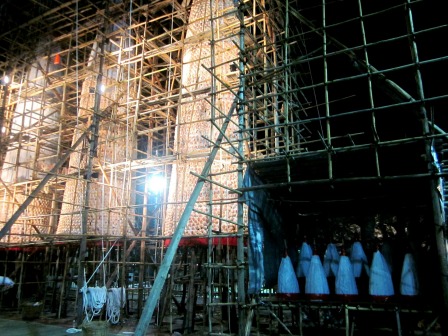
column 21, row 276
column 64, row 286
column 440, row 226
column 5, row 272
column 125, row 253
column 287, row 94
column 55, row 283
column 47, row 269
column 94, row 128
column 3, row 109
column 141, row 272
column 210, row 201
column 369, row 79
column 53, row 222
column 191, row 294
column 241, row 283
column 327, row 99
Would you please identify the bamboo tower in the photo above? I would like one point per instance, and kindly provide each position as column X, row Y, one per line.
column 198, row 107
column 108, row 213
column 28, row 159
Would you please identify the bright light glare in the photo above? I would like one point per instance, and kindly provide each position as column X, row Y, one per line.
column 6, row 79
column 156, row 183
column 102, row 88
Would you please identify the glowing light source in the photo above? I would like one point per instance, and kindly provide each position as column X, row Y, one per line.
column 102, row 88
column 156, row 184
column 6, row 79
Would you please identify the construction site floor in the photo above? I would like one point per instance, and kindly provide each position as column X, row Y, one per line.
column 13, row 324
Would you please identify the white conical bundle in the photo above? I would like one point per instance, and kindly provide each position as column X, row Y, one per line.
column 409, row 284
column 331, row 260
column 345, row 279
column 304, row 260
column 316, row 280
column 358, row 259
column 5, row 283
column 380, row 283
column 287, row 280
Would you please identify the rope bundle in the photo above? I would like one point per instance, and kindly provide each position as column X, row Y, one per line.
column 94, row 299
column 115, row 301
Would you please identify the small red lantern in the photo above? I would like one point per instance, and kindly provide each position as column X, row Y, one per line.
column 57, row 59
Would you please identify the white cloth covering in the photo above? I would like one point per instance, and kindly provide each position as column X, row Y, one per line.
column 409, row 284
column 380, row 283
column 287, row 280
column 316, row 280
column 345, row 279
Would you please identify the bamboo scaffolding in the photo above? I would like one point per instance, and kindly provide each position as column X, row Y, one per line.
column 278, row 115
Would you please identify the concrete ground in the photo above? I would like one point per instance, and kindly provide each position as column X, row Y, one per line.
column 37, row 328
column 12, row 324
column 17, row 327
column 31, row 328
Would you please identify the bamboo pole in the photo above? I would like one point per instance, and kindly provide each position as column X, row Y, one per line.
column 54, row 290
column 440, row 226
column 328, row 144
column 241, row 273
column 2, row 111
column 380, row 179
column 94, row 128
column 287, row 98
column 63, row 290
column 188, row 324
column 370, row 89
column 142, row 254
column 47, row 270
column 213, row 108
column 21, row 277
